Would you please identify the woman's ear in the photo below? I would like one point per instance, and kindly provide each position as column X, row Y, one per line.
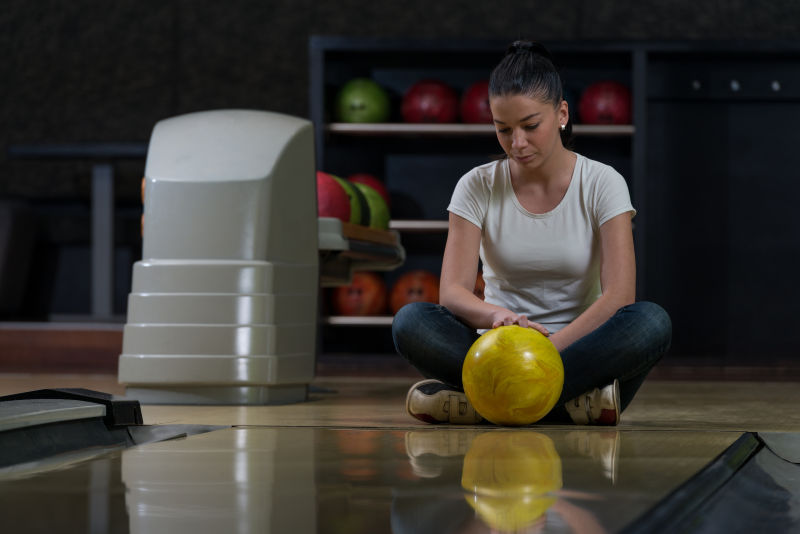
column 563, row 113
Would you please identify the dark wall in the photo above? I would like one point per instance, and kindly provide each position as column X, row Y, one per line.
column 107, row 71
column 91, row 70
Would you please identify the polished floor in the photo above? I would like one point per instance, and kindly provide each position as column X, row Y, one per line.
column 351, row 461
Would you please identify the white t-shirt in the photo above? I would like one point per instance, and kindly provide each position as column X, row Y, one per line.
column 545, row 266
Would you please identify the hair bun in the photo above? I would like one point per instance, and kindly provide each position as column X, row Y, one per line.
column 521, row 45
column 532, row 47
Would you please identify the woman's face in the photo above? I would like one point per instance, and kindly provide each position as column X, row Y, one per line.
column 528, row 128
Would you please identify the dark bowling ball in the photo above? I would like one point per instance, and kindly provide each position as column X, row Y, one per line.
column 605, row 102
column 430, row 101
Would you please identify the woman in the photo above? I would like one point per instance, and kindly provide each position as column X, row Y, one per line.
column 553, row 232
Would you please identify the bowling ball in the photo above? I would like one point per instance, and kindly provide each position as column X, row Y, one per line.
column 510, row 478
column 513, row 375
column 480, row 285
column 430, row 101
column 359, row 210
column 414, row 286
column 362, row 100
column 332, row 200
column 366, row 295
column 605, row 102
column 379, row 216
column 475, row 104
column 373, row 182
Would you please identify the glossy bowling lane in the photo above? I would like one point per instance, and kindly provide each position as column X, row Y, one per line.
column 305, row 479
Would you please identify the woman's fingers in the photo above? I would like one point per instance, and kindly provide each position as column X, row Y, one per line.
column 538, row 327
column 520, row 320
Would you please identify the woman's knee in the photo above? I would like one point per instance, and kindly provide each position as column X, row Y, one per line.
column 411, row 314
column 656, row 321
column 657, row 316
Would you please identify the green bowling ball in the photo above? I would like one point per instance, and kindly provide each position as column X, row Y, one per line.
column 359, row 209
column 379, row 216
column 362, row 100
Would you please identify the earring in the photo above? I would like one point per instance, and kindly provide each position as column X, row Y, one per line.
column 563, row 127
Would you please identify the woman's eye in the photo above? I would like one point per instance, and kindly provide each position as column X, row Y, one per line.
column 504, row 130
column 532, row 126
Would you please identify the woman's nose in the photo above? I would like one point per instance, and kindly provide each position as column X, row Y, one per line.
column 518, row 139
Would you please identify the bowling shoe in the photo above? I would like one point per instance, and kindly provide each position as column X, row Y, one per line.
column 431, row 401
column 596, row 406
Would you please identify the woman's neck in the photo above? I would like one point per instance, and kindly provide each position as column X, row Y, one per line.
column 553, row 172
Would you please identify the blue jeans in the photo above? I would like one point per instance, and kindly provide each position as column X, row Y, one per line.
column 625, row 347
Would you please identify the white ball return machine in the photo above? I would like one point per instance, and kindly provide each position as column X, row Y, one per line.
column 224, row 302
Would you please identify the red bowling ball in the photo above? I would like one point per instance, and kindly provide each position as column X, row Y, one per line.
column 430, row 101
column 475, row 104
column 605, row 102
column 332, row 199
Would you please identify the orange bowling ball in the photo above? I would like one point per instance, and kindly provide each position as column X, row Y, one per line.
column 366, row 295
column 480, row 286
column 513, row 375
column 414, row 286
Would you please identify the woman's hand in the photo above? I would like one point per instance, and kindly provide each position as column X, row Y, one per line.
column 507, row 317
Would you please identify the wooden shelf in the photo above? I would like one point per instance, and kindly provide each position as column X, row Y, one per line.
column 371, row 235
column 604, row 130
column 441, row 130
column 421, row 226
column 344, row 320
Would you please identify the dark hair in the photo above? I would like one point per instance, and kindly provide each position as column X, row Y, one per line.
column 528, row 69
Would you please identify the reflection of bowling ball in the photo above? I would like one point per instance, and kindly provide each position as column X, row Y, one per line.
column 605, row 103
column 414, row 286
column 513, row 375
column 379, row 216
column 510, row 476
column 475, row 104
column 362, row 100
column 366, row 295
column 430, row 101
column 332, row 200
column 373, row 182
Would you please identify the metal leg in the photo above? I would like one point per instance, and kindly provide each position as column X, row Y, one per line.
column 102, row 240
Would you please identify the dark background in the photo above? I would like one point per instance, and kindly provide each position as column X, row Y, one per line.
column 108, row 71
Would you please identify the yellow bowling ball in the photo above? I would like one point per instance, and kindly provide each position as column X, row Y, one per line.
column 510, row 478
column 513, row 375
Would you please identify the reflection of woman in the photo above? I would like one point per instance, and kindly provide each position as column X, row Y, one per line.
column 553, row 231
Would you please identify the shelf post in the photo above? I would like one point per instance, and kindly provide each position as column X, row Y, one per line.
column 639, row 166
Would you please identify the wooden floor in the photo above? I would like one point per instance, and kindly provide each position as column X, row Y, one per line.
column 351, row 460
column 368, row 391
column 378, row 402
